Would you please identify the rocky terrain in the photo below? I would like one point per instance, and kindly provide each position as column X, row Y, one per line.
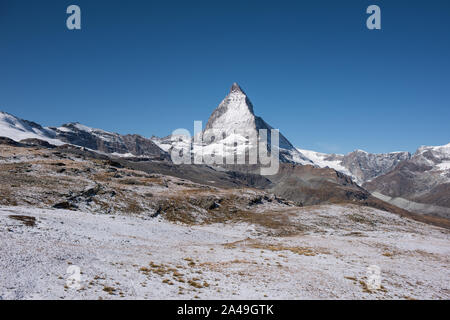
column 70, row 178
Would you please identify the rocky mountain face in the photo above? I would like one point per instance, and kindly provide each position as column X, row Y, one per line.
column 80, row 135
column 366, row 166
column 420, row 184
column 360, row 165
column 108, row 142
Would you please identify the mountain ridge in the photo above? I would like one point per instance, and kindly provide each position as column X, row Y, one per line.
column 80, row 135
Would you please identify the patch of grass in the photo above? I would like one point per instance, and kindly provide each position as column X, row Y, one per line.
column 358, row 218
column 355, row 234
column 305, row 251
column 195, row 284
column 26, row 220
column 238, row 261
column 145, row 270
column 168, row 282
column 177, row 274
column 109, row 290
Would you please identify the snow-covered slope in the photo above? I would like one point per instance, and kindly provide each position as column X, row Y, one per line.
column 324, row 160
column 18, row 129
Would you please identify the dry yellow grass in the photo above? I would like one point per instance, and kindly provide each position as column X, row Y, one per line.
column 109, row 290
column 305, row 251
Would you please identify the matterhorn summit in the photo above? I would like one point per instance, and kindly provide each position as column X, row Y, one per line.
column 234, row 121
column 234, row 112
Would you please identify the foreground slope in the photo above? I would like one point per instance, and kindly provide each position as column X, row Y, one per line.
column 325, row 256
column 140, row 229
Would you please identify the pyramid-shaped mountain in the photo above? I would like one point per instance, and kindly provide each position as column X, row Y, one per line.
column 235, row 115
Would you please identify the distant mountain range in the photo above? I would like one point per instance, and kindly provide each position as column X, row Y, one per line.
column 418, row 182
column 360, row 165
column 80, row 135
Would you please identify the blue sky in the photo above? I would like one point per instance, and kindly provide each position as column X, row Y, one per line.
column 311, row 68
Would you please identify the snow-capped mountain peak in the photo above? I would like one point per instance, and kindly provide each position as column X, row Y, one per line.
column 438, row 150
column 235, row 119
column 237, row 88
column 434, row 156
column 233, row 113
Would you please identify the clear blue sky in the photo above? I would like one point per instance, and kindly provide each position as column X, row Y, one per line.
column 311, row 68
